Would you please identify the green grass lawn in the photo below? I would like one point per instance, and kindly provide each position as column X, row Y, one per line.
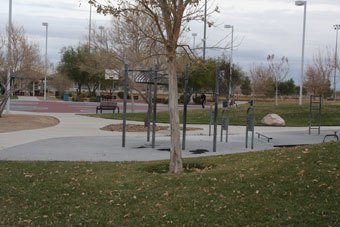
column 292, row 113
column 288, row 187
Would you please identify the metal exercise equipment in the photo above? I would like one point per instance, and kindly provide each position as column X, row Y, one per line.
column 318, row 110
column 212, row 119
column 225, row 120
column 185, row 105
column 150, row 78
column 216, row 106
column 331, row 135
column 250, row 123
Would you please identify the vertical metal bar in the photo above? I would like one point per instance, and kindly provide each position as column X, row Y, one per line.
column 231, row 61
column 45, row 79
column 205, row 29
column 124, row 107
column 149, row 110
column 9, row 56
column 303, row 51
column 185, row 106
column 154, row 108
column 253, row 127
column 216, row 105
column 247, row 128
column 320, row 107
column 227, row 127
column 210, row 120
column 336, row 27
column 222, row 124
column 310, row 114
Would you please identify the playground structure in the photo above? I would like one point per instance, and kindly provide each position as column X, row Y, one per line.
column 154, row 78
column 312, row 115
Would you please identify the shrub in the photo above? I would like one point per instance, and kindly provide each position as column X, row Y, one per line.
column 120, row 94
column 197, row 99
column 78, row 99
column 93, row 99
column 165, row 101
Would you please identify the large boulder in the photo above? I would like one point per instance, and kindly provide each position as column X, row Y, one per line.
column 273, row 120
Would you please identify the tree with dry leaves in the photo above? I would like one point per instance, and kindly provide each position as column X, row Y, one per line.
column 278, row 71
column 261, row 81
column 25, row 62
column 318, row 74
column 169, row 19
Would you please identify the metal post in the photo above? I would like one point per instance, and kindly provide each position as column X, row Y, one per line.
column 336, row 27
column 154, row 108
column 310, row 114
column 45, row 80
column 216, row 105
column 9, row 53
column 124, row 106
column 250, row 124
column 149, row 111
column 185, row 106
column 205, row 29
column 304, row 3
column 90, row 22
column 320, row 107
column 210, row 115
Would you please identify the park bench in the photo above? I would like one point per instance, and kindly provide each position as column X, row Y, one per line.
column 107, row 105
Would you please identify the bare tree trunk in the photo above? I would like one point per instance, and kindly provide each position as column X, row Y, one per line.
column 176, row 165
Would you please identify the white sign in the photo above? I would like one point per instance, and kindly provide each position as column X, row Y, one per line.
column 111, row 74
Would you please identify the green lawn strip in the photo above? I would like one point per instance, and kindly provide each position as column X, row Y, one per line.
column 296, row 186
column 294, row 114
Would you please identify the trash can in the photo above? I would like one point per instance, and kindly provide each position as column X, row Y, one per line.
column 65, row 97
column 98, row 98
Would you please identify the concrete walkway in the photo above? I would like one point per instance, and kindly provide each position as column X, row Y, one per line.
column 79, row 138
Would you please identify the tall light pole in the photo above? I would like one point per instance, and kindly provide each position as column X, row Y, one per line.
column 90, row 22
column 231, row 57
column 101, row 28
column 336, row 27
column 9, row 57
column 46, row 25
column 194, row 36
column 205, row 29
column 302, row 3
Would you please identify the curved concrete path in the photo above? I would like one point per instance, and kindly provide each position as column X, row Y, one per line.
column 79, row 138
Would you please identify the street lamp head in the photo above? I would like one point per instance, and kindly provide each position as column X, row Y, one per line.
column 228, row 26
column 336, row 26
column 300, row 3
column 194, row 34
column 45, row 24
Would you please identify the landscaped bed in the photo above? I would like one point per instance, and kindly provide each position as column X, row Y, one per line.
column 296, row 186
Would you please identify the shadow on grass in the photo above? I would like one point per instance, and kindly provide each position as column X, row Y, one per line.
column 188, row 167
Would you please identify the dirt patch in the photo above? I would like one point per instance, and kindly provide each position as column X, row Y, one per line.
column 18, row 122
column 138, row 128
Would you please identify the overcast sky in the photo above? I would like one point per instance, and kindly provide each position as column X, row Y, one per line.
column 261, row 27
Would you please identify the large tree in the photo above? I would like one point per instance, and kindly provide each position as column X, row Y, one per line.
column 169, row 19
column 278, row 71
column 318, row 74
column 24, row 61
